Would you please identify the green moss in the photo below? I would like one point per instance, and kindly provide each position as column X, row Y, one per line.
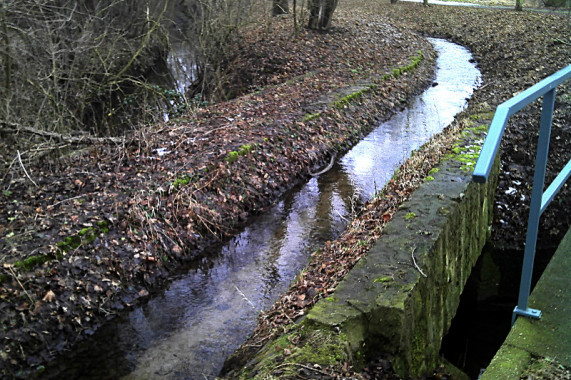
column 433, row 171
column 444, row 211
column 232, row 156
column 321, row 347
column 384, row 279
column 70, row 243
column 467, row 155
column 103, row 226
column 413, row 65
column 483, row 116
column 243, row 150
column 429, row 178
column 85, row 231
column 311, row 116
column 82, row 237
column 179, row 182
column 409, row 216
column 349, row 98
column 479, row 129
column 31, row 262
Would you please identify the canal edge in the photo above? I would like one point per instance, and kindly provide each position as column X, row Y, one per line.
column 446, row 215
column 546, row 343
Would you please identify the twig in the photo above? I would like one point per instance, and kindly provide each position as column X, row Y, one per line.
column 81, row 139
column 414, row 262
column 341, row 216
column 65, row 200
column 312, row 369
column 245, row 298
column 561, row 41
column 23, row 168
column 22, row 286
column 326, row 169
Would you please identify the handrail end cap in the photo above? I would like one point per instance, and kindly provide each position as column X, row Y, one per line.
column 479, row 178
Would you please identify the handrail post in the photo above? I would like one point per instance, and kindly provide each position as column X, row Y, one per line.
column 539, row 199
column 535, row 209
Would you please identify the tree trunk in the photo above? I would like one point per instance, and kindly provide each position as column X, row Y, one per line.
column 281, row 7
column 518, row 5
column 320, row 13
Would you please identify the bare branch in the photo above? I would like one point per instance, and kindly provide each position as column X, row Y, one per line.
column 24, row 169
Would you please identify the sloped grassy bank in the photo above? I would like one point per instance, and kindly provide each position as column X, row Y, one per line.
column 99, row 231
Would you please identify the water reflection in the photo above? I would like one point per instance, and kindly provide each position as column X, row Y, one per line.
column 189, row 329
column 215, row 309
column 392, row 142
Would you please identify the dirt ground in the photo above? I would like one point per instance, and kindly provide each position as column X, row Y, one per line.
column 88, row 235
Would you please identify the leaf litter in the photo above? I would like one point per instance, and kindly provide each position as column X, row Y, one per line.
column 143, row 214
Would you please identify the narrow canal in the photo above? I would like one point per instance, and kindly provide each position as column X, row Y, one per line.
column 189, row 329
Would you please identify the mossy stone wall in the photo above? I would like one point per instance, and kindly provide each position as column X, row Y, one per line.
column 429, row 258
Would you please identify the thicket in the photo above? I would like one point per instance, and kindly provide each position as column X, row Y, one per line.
column 76, row 69
column 72, row 65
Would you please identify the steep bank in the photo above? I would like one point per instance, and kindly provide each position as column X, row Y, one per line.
column 514, row 51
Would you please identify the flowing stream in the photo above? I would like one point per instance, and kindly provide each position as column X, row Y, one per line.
column 188, row 330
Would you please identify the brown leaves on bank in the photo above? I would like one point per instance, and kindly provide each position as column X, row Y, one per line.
column 106, row 225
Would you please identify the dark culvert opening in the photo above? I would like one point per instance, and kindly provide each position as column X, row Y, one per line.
column 483, row 318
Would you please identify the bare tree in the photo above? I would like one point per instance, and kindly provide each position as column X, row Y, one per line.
column 321, row 13
column 213, row 29
column 78, row 65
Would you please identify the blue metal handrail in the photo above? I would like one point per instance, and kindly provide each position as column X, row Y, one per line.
column 539, row 199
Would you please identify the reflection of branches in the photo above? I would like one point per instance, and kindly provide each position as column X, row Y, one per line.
column 326, row 169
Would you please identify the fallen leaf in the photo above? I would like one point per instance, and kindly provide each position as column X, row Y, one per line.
column 49, row 297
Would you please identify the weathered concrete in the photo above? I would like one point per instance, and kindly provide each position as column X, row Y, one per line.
column 387, row 302
column 549, row 337
column 401, row 297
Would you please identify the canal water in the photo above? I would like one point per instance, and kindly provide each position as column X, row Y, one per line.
column 188, row 330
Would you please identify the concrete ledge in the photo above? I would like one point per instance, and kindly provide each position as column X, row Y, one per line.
column 549, row 337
